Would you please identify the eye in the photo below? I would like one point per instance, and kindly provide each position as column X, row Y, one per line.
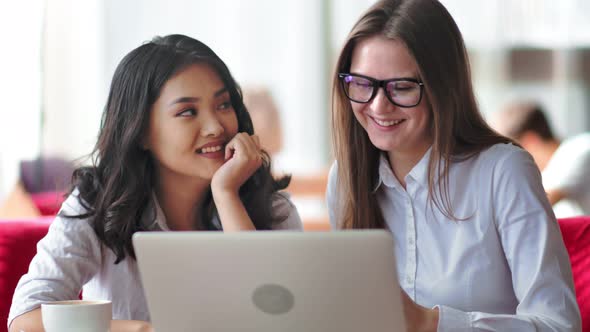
column 226, row 105
column 362, row 84
column 404, row 86
column 358, row 83
column 187, row 112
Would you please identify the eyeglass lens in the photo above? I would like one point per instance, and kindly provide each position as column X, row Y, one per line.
column 403, row 93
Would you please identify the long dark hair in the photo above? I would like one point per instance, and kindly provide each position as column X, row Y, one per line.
column 117, row 189
column 459, row 131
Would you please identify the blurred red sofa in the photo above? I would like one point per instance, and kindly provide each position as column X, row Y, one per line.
column 48, row 202
column 18, row 245
column 18, row 239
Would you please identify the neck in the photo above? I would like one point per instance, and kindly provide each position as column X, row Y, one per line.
column 543, row 154
column 402, row 162
column 181, row 200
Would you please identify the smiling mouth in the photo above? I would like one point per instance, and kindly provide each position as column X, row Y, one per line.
column 210, row 149
column 388, row 123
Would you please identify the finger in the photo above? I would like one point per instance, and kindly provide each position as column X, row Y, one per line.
column 240, row 146
column 230, row 148
column 257, row 141
column 248, row 145
column 257, row 146
column 228, row 151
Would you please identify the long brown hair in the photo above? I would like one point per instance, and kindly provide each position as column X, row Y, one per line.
column 458, row 129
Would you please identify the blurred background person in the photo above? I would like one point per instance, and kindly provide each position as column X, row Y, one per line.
column 18, row 203
column 265, row 118
column 307, row 190
column 14, row 201
column 37, row 190
column 565, row 164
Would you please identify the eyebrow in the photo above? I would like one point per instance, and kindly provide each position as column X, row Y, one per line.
column 196, row 99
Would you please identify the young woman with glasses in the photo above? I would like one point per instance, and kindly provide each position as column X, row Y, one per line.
column 176, row 151
column 477, row 245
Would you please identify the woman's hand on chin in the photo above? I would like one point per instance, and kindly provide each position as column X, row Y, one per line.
column 243, row 157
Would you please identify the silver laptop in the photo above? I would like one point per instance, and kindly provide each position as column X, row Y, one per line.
column 270, row 281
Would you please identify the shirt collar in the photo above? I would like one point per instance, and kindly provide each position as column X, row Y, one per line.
column 385, row 176
column 419, row 173
column 157, row 222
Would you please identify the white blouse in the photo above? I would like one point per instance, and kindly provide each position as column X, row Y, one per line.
column 71, row 258
column 504, row 268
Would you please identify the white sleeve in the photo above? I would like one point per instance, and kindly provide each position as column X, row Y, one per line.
column 67, row 257
column 569, row 168
column 535, row 253
column 282, row 206
column 332, row 197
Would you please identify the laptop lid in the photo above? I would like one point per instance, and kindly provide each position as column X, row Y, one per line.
column 270, row 281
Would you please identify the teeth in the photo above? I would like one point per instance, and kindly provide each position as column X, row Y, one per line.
column 388, row 123
column 211, row 149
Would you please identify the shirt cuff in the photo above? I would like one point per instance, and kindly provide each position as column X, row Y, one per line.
column 453, row 320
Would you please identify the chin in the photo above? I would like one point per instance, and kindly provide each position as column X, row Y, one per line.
column 383, row 145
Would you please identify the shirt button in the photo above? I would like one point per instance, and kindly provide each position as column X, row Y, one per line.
column 409, row 279
column 411, row 241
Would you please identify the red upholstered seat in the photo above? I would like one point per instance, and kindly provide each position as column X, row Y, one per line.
column 48, row 202
column 18, row 245
column 18, row 239
column 576, row 235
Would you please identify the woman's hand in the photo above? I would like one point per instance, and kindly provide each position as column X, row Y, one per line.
column 243, row 157
column 418, row 318
column 130, row 326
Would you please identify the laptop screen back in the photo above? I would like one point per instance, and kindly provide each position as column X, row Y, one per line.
column 270, row 281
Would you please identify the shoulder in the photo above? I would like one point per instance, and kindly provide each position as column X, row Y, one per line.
column 511, row 159
column 67, row 227
column 332, row 197
column 502, row 151
column 581, row 141
column 73, row 205
column 574, row 149
column 283, row 206
column 503, row 157
column 499, row 167
column 281, row 200
column 507, row 155
column 514, row 165
column 333, row 173
column 516, row 184
column 332, row 180
column 569, row 166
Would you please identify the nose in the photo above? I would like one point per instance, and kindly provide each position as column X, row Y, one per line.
column 211, row 126
column 380, row 104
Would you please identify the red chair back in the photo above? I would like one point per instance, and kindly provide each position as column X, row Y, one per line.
column 48, row 202
column 18, row 245
column 18, row 239
column 576, row 236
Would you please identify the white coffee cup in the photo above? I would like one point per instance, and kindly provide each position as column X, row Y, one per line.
column 77, row 316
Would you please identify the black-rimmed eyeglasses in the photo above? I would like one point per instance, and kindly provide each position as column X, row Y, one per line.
column 403, row 92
